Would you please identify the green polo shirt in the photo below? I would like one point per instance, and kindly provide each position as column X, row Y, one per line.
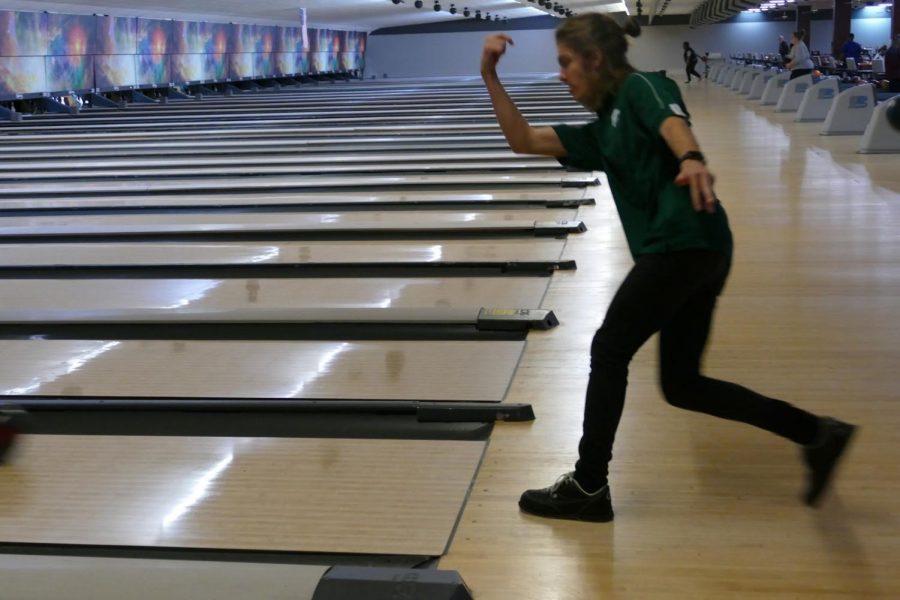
column 625, row 143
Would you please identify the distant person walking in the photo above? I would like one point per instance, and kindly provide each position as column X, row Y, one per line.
column 690, row 62
column 892, row 64
column 705, row 59
column 784, row 49
column 799, row 61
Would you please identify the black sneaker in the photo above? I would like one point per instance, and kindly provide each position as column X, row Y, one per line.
column 823, row 456
column 565, row 499
column 8, row 433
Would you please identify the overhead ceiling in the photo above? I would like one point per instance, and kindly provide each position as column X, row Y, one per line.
column 360, row 15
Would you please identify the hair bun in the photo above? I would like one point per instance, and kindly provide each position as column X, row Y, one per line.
column 632, row 27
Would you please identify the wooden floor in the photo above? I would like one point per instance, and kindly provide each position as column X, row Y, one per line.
column 710, row 509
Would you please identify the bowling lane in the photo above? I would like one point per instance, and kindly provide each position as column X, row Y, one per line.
column 277, row 494
column 59, row 577
column 440, row 371
column 367, row 183
column 250, row 167
column 273, row 294
column 440, row 160
column 484, row 198
column 94, row 223
column 364, row 252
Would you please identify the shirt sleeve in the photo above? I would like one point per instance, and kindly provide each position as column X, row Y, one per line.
column 652, row 101
column 582, row 150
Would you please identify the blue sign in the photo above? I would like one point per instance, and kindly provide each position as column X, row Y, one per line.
column 859, row 102
column 826, row 94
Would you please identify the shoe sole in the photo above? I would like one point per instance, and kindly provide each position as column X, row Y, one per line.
column 588, row 519
column 8, row 437
column 816, row 500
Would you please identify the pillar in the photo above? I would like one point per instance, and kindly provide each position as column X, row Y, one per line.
column 841, row 29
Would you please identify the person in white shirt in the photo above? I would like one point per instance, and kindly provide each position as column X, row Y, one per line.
column 799, row 61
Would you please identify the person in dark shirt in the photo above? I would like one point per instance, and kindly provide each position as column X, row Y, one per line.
column 690, row 62
column 851, row 49
column 892, row 65
column 681, row 243
column 783, row 49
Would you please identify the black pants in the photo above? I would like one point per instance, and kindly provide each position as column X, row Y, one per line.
column 800, row 73
column 691, row 69
column 674, row 294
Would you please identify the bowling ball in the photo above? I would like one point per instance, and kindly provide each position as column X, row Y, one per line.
column 893, row 113
column 816, row 73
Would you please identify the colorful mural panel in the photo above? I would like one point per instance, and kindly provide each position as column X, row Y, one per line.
column 71, row 35
column 350, row 61
column 291, row 39
column 284, row 63
column 117, row 70
column 293, row 63
column 217, row 66
column 255, row 39
column 190, row 67
column 22, row 74
column 267, row 35
column 154, row 36
column 324, row 62
column 241, row 66
column 243, row 38
column 153, row 69
column 65, row 73
column 23, row 33
column 117, row 35
column 193, row 37
column 264, row 65
column 324, row 40
column 302, row 65
column 80, row 52
column 352, row 41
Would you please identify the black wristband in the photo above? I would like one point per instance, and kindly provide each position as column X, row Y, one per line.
column 692, row 155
